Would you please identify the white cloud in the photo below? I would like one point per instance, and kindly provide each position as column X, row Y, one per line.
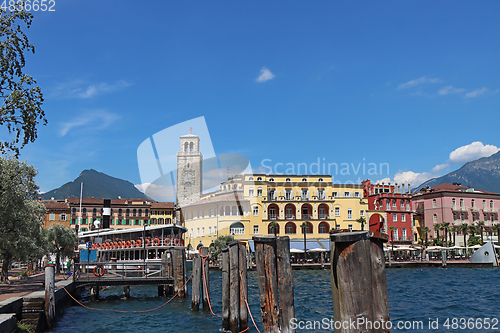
column 440, row 167
column 97, row 119
column 81, row 89
column 476, row 92
column 450, row 90
column 265, row 75
column 416, row 178
column 416, row 82
column 472, row 152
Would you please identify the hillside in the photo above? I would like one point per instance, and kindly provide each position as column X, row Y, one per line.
column 95, row 184
column 482, row 174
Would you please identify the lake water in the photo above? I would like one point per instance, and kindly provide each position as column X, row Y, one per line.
column 416, row 296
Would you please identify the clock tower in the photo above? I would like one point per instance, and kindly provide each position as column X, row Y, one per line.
column 189, row 170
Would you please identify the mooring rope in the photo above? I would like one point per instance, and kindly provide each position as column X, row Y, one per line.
column 134, row 311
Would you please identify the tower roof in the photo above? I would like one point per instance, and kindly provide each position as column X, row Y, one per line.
column 189, row 136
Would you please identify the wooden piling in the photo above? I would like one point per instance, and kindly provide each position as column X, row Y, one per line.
column 225, row 288
column 265, row 259
column 50, row 300
column 206, row 278
column 196, row 283
column 126, row 291
column 243, row 292
column 234, row 288
column 359, row 285
column 285, row 283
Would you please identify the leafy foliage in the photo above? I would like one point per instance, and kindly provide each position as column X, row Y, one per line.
column 62, row 241
column 220, row 243
column 474, row 240
column 21, row 110
column 21, row 235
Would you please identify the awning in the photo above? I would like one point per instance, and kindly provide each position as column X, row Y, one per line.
column 297, row 246
column 252, row 247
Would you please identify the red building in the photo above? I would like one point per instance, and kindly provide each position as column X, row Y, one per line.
column 390, row 206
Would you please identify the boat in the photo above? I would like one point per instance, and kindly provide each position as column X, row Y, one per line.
column 142, row 244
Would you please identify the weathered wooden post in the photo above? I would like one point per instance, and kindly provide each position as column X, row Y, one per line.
column 265, row 259
column 234, row 288
column 206, row 278
column 126, row 291
column 196, row 284
column 243, row 286
column 359, row 285
column 225, row 289
column 50, row 300
column 285, row 283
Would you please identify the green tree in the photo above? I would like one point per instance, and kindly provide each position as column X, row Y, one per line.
column 305, row 229
column 424, row 231
column 21, row 109
column 220, row 243
column 274, row 227
column 480, row 224
column 445, row 226
column 464, row 227
column 63, row 240
column 21, row 216
column 361, row 221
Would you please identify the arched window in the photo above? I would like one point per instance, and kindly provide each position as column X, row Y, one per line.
column 186, row 146
column 84, row 211
column 250, row 192
column 435, row 218
column 290, row 228
column 234, row 211
column 191, row 146
column 454, row 202
column 287, row 180
column 221, row 211
column 94, row 212
column 271, row 179
column 320, row 180
column 237, row 228
column 134, row 212
column 227, row 211
column 491, row 204
column 127, row 212
column 434, row 205
column 259, row 191
column 323, row 228
column 259, row 178
column 140, row 212
column 255, row 210
column 304, row 179
column 473, row 203
column 272, row 212
column 461, row 202
column 250, row 178
column 74, row 211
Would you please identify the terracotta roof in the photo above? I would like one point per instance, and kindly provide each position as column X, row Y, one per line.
column 53, row 205
column 446, row 187
column 155, row 205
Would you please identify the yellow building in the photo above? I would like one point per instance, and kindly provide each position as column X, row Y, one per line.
column 251, row 205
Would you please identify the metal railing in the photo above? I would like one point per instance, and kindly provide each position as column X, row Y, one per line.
column 120, row 270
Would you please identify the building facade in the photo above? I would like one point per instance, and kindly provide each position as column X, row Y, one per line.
column 455, row 204
column 125, row 213
column 285, row 205
column 391, row 211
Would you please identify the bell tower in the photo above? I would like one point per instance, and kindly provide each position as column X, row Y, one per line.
column 189, row 170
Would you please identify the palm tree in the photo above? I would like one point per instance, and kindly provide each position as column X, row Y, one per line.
column 392, row 239
column 454, row 231
column 464, row 226
column 480, row 224
column 274, row 227
column 305, row 227
column 445, row 226
column 497, row 226
column 362, row 220
column 425, row 231
column 437, row 228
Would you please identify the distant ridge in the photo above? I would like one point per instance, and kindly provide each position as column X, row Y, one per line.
column 95, row 184
column 482, row 174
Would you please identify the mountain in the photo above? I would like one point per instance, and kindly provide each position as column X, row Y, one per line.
column 482, row 174
column 95, row 184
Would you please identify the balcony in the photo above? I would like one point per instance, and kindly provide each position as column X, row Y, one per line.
column 307, row 216
column 323, row 216
column 290, row 216
column 490, row 210
column 460, row 208
column 273, row 217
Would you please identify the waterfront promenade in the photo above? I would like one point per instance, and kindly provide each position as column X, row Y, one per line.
column 21, row 287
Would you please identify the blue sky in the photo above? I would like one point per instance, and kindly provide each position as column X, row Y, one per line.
column 399, row 82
